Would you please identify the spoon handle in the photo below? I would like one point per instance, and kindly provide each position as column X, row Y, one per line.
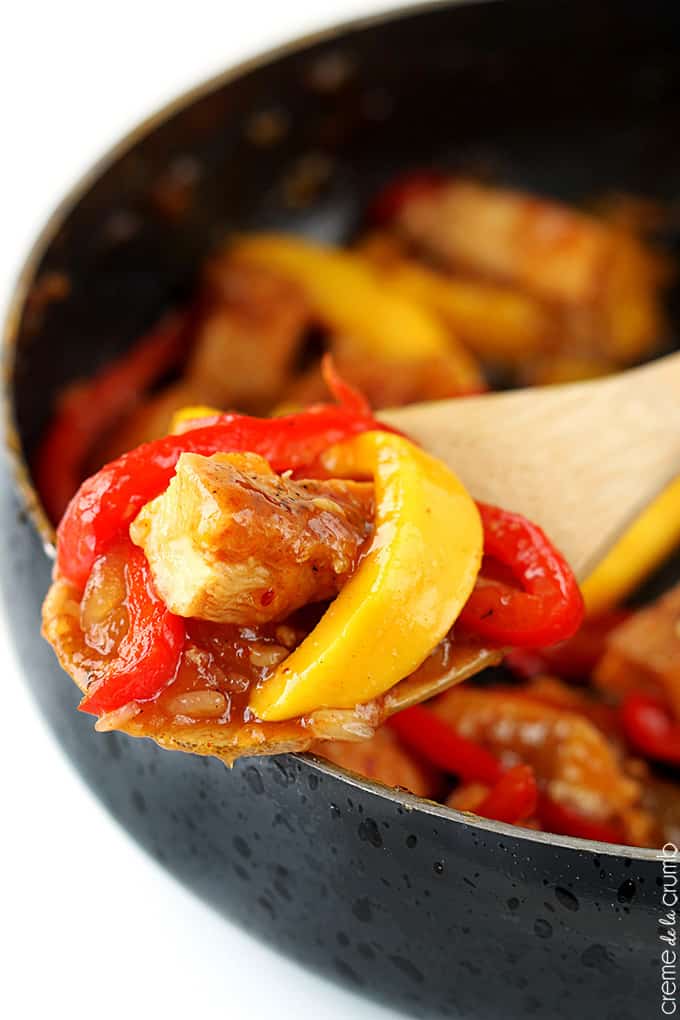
column 582, row 460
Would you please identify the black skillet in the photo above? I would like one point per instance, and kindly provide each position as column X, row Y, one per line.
column 404, row 900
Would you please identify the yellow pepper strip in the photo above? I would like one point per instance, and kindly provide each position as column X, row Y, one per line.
column 350, row 297
column 494, row 322
column 648, row 541
column 188, row 417
column 406, row 593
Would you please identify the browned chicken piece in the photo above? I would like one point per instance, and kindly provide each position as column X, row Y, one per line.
column 232, row 542
column 248, row 340
column 600, row 277
column 643, row 653
column 384, row 759
column 573, row 761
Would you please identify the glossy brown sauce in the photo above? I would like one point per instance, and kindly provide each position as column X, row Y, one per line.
column 229, row 661
column 219, row 667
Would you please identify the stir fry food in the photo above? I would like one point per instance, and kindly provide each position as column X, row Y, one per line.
column 250, row 562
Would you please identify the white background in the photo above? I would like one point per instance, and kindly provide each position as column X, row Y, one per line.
column 74, row 76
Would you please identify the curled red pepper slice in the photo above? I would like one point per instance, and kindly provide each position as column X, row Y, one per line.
column 149, row 652
column 107, row 502
column 87, row 409
column 437, row 742
column 564, row 821
column 650, row 727
column 549, row 606
column 574, row 659
column 514, row 797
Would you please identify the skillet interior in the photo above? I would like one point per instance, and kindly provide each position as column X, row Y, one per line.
column 574, row 102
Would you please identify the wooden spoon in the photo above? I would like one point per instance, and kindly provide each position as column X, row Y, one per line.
column 581, row 460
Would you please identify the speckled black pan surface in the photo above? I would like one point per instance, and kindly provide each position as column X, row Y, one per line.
column 402, row 901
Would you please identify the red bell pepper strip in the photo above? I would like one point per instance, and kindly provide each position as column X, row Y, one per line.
column 574, row 659
column 88, row 409
column 514, row 797
column 106, row 503
column 549, row 608
column 437, row 742
column 650, row 727
column 149, row 652
column 564, row 821
column 389, row 202
column 348, row 396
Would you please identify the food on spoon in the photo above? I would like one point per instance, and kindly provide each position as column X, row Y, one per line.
column 194, row 553
column 457, row 286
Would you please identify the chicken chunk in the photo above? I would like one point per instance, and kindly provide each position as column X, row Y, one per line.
column 246, row 333
column 249, row 337
column 232, row 542
column 601, row 277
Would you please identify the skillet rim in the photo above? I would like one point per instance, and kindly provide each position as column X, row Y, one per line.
column 20, row 470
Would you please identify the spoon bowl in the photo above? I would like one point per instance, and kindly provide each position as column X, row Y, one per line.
column 581, row 460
